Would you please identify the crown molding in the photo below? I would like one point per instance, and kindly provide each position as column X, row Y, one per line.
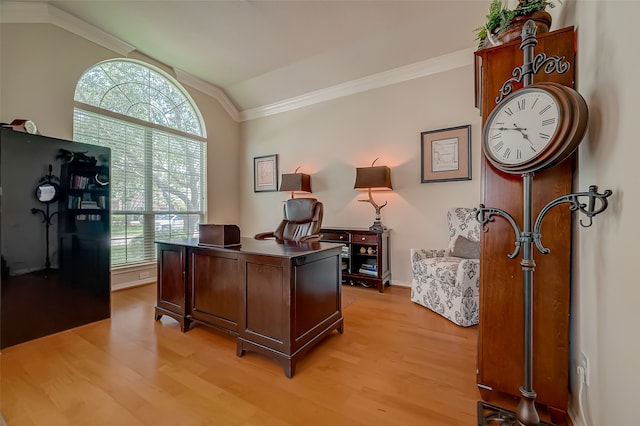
column 209, row 89
column 38, row 12
column 43, row 13
column 424, row 68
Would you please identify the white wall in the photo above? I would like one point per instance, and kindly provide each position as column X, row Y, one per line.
column 329, row 140
column 40, row 66
column 606, row 289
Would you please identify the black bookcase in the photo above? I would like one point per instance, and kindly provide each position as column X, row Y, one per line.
column 58, row 276
column 84, row 225
column 85, row 204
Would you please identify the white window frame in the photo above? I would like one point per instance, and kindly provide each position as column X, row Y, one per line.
column 145, row 225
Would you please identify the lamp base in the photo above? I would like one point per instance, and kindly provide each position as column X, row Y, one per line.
column 377, row 227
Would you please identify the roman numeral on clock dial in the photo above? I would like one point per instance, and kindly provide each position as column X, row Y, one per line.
column 534, row 128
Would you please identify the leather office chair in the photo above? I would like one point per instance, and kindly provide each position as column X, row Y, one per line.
column 302, row 222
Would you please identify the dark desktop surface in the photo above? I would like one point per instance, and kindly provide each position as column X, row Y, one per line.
column 262, row 247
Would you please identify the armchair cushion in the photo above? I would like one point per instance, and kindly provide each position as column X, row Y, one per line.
column 465, row 248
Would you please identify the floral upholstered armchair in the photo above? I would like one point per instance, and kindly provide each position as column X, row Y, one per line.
column 447, row 281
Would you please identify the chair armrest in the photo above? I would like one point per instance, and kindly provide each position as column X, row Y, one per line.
column 311, row 238
column 468, row 275
column 420, row 254
column 264, row 235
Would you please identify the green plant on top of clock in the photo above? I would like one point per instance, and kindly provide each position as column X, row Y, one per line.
column 526, row 7
column 500, row 16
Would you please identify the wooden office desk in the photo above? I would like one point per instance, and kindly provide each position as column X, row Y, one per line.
column 278, row 299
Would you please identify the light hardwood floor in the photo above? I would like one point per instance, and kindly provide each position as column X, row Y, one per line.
column 396, row 364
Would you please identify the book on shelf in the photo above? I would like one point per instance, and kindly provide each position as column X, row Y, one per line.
column 368, row 272
column 88, row 217
column 89, row 205
column 79, row 182
column 75, row 202
column 369, row 266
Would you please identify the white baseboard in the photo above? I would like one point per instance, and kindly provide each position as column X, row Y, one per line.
column 576, row 420
column 130, row 284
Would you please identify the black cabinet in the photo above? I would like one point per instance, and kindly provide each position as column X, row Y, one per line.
column 365, row 255
column 56, row 275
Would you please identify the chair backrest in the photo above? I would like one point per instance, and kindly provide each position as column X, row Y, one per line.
column 462, row 221
column 302, row 218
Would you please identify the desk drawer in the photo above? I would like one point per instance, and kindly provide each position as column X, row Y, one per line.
column 364, row 239
column 335, row 236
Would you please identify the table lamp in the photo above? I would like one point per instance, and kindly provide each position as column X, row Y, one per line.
column 374, row 178
column 295, row 182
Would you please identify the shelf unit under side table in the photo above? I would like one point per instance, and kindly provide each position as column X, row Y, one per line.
column 365, row 256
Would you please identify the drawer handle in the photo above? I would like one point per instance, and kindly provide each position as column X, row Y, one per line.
column 342, row 237
column 363, row 238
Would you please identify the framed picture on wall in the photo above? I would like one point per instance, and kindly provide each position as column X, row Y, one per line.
column 265, row 173
column 446, row 154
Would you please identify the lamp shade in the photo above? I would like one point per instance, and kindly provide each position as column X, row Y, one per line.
column 374, row 177
column 296, row 182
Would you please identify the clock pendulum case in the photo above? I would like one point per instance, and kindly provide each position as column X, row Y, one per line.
column 530, row 130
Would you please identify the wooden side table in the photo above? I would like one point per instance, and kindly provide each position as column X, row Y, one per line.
column 365, row 256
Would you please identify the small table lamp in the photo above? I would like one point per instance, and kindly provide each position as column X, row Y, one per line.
column 374, row 178
column 295, row 182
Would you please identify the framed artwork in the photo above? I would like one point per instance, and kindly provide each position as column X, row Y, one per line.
column 446, row 154
column 265, row 173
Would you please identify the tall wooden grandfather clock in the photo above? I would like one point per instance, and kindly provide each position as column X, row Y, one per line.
column 500, row 344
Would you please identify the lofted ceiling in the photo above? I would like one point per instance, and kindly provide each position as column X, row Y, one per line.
column 263, row 52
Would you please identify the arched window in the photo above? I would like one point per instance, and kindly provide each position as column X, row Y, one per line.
column 158, row 153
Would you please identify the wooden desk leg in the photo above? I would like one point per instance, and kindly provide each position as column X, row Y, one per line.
column 184, row 322
column 289, row 369
column 287, row 364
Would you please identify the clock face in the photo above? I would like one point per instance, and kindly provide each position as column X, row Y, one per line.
column 30, row 127
column 520, row 129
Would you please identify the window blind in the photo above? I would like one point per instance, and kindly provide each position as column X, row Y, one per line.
column 157, row 182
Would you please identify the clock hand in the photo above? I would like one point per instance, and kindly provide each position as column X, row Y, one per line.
column 508, row 128
column 525, row 136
